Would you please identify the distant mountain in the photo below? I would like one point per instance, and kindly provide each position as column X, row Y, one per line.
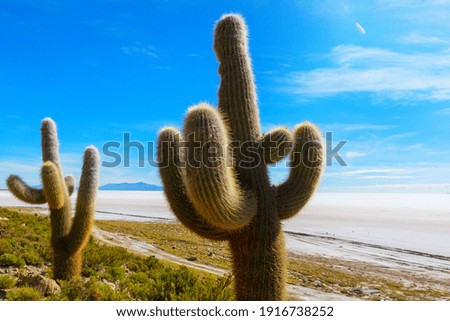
column 130, row 187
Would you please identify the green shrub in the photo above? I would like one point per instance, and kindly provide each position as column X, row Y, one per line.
column 6, row 246
column 145, row 264
column 78, row 290
column 168, row 284
column 115, row 273
column 97, row 256
column 31, row 257
column 23, row 294
column 6, row 282
column 11, row 260
column 25, row 236
column 89, row 272
column 139, row 277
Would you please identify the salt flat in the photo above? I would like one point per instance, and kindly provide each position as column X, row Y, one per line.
column 400, row 230
column 417, row 222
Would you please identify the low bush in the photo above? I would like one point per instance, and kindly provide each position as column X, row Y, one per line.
column 23, row 294
column 11, row 260
column 7, row 282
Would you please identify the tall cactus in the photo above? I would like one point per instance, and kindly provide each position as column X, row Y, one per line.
column 68, row 237
column 227, row 195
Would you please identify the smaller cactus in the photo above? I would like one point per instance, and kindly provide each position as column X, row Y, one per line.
column 68, row 237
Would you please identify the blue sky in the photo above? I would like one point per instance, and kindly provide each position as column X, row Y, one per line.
column 104, row 67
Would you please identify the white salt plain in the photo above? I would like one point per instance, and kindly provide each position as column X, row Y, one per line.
column 388, row 229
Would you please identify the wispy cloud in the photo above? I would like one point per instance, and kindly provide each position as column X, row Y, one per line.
column 417, row 38
column 27, row 170
column 353, row 154
column 386, row 177
column 400, row 136
column 122, row 174
column 422, row 76
column 371, row 171
column 445, row 111
column 386, row 4
column 113, row 28
column 16, row 167
column 367, row 171
column 357, row 127
column 407, row 148
column 154, row 125
column 422, row 187
column 360, row 28
column 143, row 50
column 193, row 55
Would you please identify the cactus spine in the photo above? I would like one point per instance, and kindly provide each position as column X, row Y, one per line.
column 68, row 237
column 237, row 203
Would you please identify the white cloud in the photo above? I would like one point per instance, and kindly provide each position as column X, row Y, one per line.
column 16, row 167
column 400, row 136
column 371, row 173
column 121, row 174
column 366, row 171
column 385, row 177
column 354, row 154
column 421, row 186
column 360, row 28
column 145, row 50
column 357, row 173
column 153, row 125
column 411, row 3
column 356, row 127
column 445, row 111
column 417, row 38
column 422, row 76
column 415, row 147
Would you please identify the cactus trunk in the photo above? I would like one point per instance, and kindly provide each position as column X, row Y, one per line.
column 66, row 265
column 259, row 269
column 258, row 253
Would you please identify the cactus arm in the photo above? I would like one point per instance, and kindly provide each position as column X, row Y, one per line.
column 53, row 186
column 55, row 190
column 276, row 144
column 70, row 182
column 170, row 169
column 237, row 93
column 211, row 182
column 50, row 147
column 306, row 162
column 85, row 207
column 58, row 202
column 24, row 192
column 49, row 142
